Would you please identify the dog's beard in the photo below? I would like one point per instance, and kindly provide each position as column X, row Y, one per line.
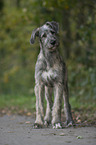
column 53, row 47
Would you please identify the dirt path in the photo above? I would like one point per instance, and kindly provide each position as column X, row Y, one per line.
column 17, row 130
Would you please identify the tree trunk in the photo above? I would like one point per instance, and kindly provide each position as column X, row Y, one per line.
column 66, row 27
column 1, row 5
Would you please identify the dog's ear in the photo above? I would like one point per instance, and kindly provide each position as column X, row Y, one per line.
column 54, row 25
column 35, row 33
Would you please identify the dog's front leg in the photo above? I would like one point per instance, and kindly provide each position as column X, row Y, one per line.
column 48, row 96
column 39, row 92
column 56, row 113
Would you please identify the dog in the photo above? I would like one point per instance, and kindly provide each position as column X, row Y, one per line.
column 50, row 77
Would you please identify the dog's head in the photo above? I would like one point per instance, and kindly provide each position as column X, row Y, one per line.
column 47, row 35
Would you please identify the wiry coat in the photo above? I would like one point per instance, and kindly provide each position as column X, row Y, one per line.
column 50, row 75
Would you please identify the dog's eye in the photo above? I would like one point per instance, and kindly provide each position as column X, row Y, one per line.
column 44, row 35
column 52, row 32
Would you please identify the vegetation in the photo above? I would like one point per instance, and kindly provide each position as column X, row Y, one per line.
column 77, row 21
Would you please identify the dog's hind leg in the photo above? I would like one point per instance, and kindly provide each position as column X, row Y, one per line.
column 39, row 92
column 67, row 107
column 48, row 96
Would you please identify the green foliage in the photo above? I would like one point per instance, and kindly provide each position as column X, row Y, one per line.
column 82, row 83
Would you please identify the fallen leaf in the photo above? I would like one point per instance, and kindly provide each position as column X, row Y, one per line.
column 78, row 120
column 21, row 123
column 11, row 131
column 79, row 137
column 29, row 114
column 27, row 122
column 63, row 134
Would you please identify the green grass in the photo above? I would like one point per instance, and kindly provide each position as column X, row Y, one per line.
column 20, row 102
column 81, row 103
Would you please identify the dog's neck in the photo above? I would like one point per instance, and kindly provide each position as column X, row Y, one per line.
column 50, row 56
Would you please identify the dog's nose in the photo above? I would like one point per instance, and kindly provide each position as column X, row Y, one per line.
column 53, row 42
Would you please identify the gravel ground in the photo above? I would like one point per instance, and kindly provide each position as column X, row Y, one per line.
column 17, row 130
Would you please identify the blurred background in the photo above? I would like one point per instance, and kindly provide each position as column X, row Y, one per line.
column 77, row 20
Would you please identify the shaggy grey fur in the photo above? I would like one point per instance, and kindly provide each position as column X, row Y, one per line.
column 50, row 75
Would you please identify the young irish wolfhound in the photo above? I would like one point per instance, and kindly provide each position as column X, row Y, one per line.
column 50, row 75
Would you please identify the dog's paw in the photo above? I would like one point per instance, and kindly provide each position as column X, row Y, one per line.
column 37, row 126
column 69, row 123
column 57, row 126
column 47, row 123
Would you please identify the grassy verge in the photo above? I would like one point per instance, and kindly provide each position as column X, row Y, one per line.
column 28, row 102
column 81, row 103
column 17, row 104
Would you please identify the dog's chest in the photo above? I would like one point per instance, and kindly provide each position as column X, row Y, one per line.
column 52, row 63
column 49, row 66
